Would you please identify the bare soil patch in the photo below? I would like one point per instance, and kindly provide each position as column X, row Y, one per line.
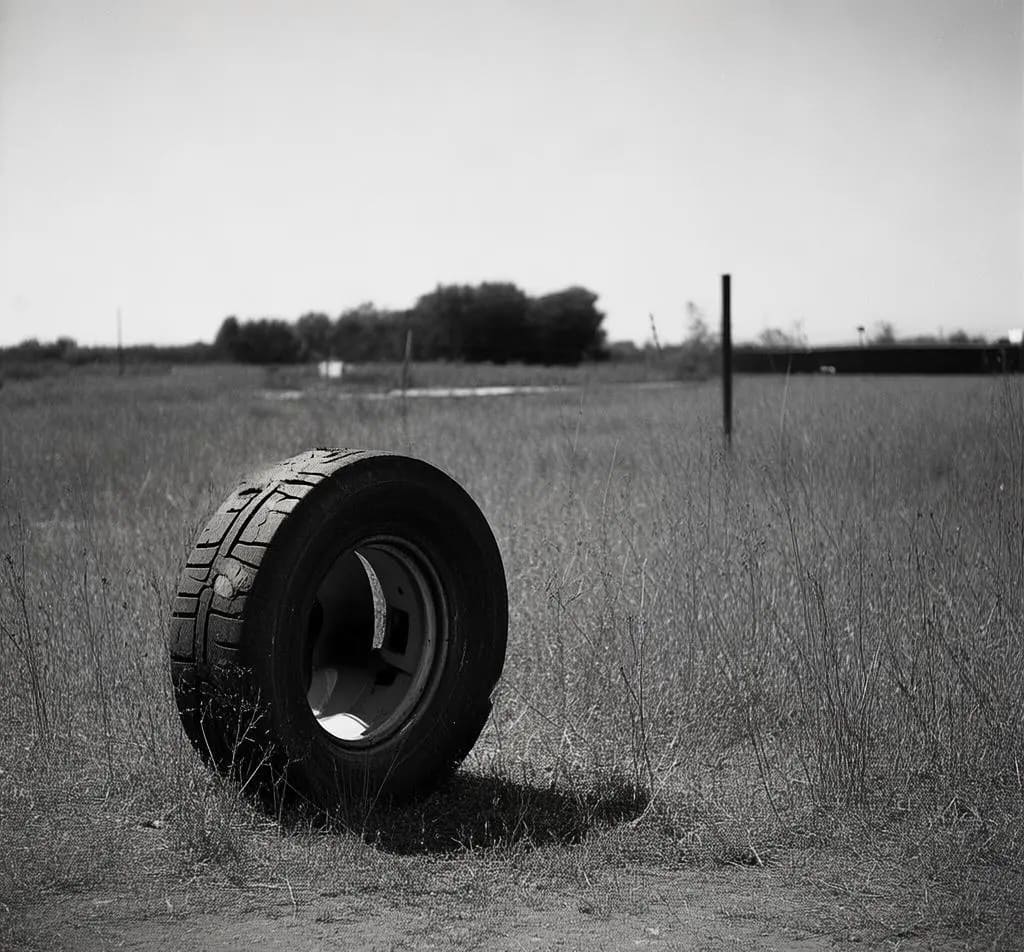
column 753, row 909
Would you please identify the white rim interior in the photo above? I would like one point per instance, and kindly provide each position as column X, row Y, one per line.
column 375, row 636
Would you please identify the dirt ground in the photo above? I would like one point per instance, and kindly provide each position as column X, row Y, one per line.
column 738, row 908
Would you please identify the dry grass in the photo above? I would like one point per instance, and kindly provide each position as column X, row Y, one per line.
column 804, row 656
column 384, row 375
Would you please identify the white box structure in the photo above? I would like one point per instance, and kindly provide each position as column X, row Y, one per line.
column 331, row 369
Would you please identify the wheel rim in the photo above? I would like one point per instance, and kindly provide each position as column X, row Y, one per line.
column 377, row 632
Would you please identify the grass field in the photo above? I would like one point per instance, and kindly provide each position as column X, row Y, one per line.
column 773, row 696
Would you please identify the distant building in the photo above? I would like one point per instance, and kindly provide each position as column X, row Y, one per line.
column 331, row 369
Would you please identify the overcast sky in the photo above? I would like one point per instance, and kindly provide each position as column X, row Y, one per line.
column 849, row 161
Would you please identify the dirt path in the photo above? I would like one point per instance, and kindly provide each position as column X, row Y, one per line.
column 653, row 909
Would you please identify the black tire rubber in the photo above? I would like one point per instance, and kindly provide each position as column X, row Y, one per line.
column 246, row 616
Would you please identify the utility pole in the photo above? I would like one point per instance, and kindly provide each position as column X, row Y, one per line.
column 406, row 360
column 727, row 361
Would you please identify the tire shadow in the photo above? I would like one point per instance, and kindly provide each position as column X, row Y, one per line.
column 472, row 812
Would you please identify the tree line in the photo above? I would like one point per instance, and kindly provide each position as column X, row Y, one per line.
column 494, row 321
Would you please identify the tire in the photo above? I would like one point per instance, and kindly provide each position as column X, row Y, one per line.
column 339, row 628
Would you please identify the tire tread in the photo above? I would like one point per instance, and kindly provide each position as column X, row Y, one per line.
column 206, row 628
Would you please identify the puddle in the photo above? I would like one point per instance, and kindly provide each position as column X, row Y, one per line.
column 417, row 393
column 473, row 391
column 428, row 393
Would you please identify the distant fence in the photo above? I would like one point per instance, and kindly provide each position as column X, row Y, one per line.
column 970, row 359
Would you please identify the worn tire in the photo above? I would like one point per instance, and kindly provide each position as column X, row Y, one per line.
column 339, row 628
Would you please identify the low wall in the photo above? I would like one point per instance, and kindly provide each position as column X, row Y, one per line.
column 976, row 359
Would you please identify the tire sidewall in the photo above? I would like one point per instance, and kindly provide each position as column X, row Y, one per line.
column 411, row 501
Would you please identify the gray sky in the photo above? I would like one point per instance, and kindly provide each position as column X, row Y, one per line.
column 849, row 161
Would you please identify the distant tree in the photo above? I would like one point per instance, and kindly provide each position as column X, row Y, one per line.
column 226, row 341
column 885, row 334
column 697, row 330
column 564, row 328
column 314, row 331
column 265, row 341
column 368, row 333
column 962, row 337
column 624, row 350
column 32, row 349
column 494, row 323
column 486, row 322
column 439, row 321
column 66, row 347
column 777, row 339
column 272, row 341
column 698, row 333
column 699, row 351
